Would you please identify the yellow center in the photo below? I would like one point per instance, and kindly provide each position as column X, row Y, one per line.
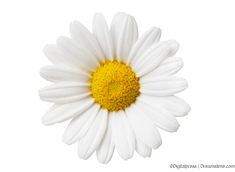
column 114, row 86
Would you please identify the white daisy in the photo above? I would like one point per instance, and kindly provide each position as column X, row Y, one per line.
column 118, row 89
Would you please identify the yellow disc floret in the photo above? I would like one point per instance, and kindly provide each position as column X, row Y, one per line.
column 114, row 86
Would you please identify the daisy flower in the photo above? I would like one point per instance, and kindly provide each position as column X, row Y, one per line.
column 116, row 88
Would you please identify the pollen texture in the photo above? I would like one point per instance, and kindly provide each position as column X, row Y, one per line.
column 114, row 86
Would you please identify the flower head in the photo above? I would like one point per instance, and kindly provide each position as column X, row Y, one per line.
column 116, row 88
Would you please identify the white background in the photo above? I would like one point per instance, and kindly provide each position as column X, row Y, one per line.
column 206, row 32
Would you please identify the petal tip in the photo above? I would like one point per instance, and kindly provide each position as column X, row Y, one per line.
column 65, row 139
column 121, row 13
column 46, row 121
column 98, row 14
column 157, row 145
column 176, row 128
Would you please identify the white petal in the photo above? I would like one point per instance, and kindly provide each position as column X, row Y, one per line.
column 143, row 127
column 54, row 54
column 164, row 86
column 90, row 142
column 174, row 47
column 158, row 115
column 115, row 27
column 105, row 150
column 174, row 105
column 61, row 74
column 124, row 33
column 77, row 55
column 79, row 126
column 60, row 113
column 150, row 37
column 169, row 67
column 142, row 149
column 123, row 135
column 64, row 92
column 154, row 56
column 103, row 35
column 85, row 39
